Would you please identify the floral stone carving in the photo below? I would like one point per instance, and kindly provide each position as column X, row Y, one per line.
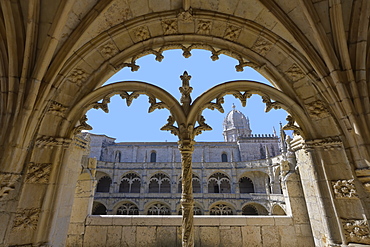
column 357, row 231
column 38, row 173
column 26, row 219
column 344, row 189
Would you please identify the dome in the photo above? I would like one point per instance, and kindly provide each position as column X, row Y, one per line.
column 236, row 125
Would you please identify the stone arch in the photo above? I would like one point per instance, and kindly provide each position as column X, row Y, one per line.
column 130, row 183
column 246, row 185
column 259, row 179
column 222, row 208
column 104, row 182
column 153, row 156
column 224, row 157
column 277, row 210
column 98, row 208
column 160, row 183
column 219, row 182
column 254, row 208
column 126, row 208
column 157, row 208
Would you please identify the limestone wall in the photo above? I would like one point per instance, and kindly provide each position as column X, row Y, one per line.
column 210, row 231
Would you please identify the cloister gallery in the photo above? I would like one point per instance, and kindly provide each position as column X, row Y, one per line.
column 56, row 55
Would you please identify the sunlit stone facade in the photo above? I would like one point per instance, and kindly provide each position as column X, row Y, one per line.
column 238, row 176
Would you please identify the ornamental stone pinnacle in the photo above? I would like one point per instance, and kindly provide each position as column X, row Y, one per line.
column 185, row 90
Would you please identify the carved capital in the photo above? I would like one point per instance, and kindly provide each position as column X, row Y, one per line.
column 329, row 143
column 344, row 189
column 26, row 219
column 356, row 231
column 7, row 183
column 38, row 173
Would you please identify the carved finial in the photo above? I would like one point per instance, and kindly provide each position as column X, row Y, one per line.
column 233, row 106
column 185, row 90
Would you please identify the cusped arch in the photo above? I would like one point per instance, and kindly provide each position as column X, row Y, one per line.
column 219, row 182
column 160, row 182
column 245, row 53
column 130, row 183
column 157, row 208
column 222, row 208
column 126, row 208
column 104, row 182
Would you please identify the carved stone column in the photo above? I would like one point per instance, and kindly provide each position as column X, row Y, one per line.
column 186, row 148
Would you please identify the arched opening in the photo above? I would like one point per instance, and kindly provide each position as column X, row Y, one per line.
column 130, row 183
column 159, row 209
column 221, row 209
column 127, row 209
column 103, row 184
column 246, row 185
column 153, row 157
column 98, row 209
column 254, row 209
column 219, row 183
column 224, row 157
column 249, row 210
column 159, row 183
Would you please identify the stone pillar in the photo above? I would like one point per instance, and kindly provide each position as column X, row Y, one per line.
column 46, row 197
column 83, row 201
column 186, row 148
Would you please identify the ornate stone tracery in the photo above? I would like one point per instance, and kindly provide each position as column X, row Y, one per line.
column 26, row 219
column 38, row 173
column 357, row 230
column 344, row 189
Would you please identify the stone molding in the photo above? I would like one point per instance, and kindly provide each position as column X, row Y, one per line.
column 50, row 142
column 329, row 143
column 344, row 189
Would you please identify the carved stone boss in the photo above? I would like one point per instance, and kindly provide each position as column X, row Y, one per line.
column 189, row 122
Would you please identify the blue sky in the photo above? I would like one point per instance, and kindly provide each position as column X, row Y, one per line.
column 134, row 123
